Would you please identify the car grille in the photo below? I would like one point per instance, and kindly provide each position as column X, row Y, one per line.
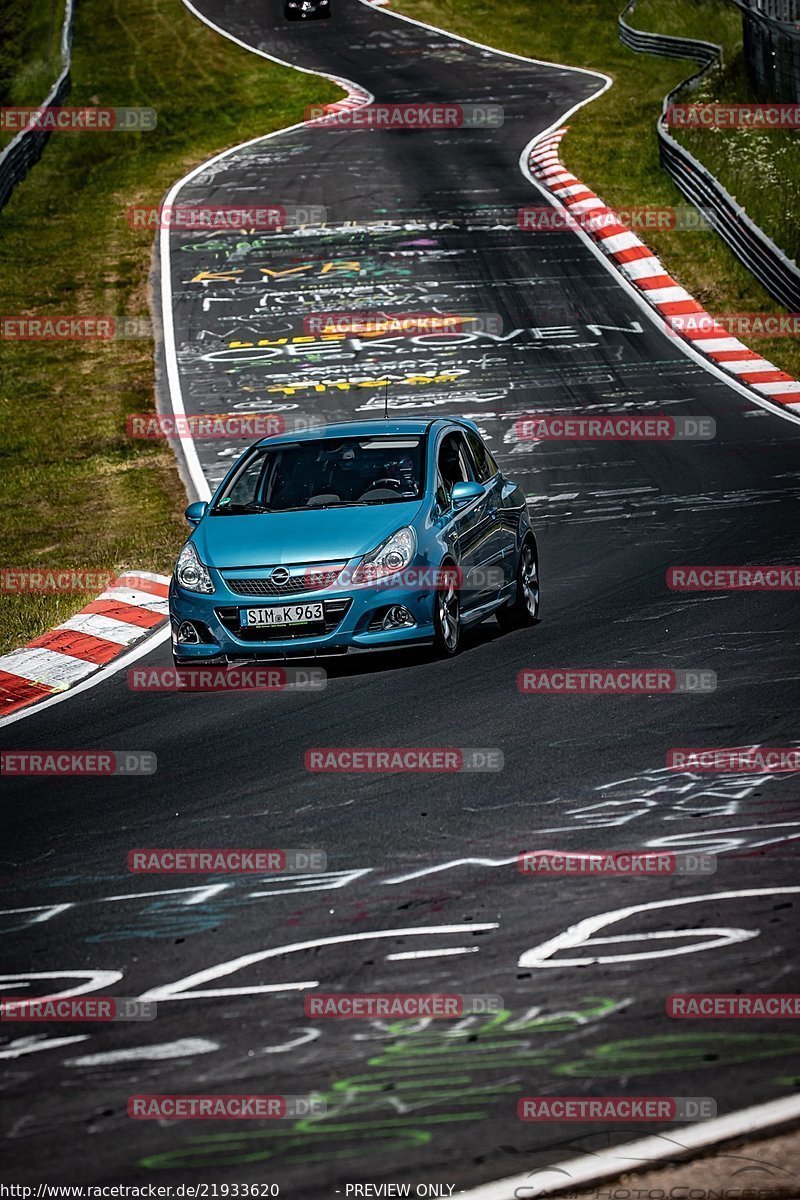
column 334, row 613
column 301, row 581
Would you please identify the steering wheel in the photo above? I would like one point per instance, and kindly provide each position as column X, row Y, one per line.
column 387, row 482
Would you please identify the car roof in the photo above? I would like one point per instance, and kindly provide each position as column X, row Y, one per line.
column 393, row 427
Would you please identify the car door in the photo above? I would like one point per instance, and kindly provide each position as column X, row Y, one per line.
column 472, row 522
column 501, row 522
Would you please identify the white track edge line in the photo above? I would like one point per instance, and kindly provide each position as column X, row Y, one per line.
column 746, row 1120
column 601, row 1166
column 696, row 1134
column 641, row 1155
column 187, row 447
column 190, row 456
column 160, row 634
column 654, row 316
column 458, row 37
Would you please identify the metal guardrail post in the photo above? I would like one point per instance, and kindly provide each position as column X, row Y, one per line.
column 773, row 269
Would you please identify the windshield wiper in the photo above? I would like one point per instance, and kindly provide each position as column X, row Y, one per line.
column 391, row 500
column 238, row 509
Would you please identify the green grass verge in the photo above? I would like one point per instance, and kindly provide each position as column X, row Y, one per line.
column 761, row 169
column 74, row 490
column 612, row 142
column 30, row 51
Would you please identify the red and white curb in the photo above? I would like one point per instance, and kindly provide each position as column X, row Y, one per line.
column 126, row 612
column 647, row 274
column 355, row 98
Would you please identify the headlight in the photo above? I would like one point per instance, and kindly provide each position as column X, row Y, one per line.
column 190, row 572
column 391, row 556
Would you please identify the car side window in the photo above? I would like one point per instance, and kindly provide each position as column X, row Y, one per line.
column 485, row 466
column 453, row 464
column 442, row 494
column 245, row 490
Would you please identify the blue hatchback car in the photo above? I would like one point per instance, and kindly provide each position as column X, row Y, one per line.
column 366, row 535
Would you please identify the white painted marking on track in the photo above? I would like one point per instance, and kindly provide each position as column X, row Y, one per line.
column 448, row 866
column 308, row 1035
column 407, row 954
column 179, row 990
column 39, row 1041
column 45, row 912
column 95, row 981
column 579, row 935
column 182, row 1048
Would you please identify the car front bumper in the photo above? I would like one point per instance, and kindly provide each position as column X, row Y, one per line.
column 349, row 614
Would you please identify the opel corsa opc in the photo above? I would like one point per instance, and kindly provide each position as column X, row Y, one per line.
column 365, row 535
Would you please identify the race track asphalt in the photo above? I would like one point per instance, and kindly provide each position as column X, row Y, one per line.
column 421, row 220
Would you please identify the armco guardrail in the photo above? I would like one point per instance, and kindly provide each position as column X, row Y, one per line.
column 704, row 53
column 26, row 148
column 771, row 33
column 777, row 273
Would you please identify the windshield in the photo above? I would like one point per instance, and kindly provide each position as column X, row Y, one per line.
column 326, row 473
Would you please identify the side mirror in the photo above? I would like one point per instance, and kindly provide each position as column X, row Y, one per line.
column 195, row 512
column 464, row 493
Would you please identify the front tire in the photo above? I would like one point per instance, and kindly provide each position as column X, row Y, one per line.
column 523, row 609
column 447, row 613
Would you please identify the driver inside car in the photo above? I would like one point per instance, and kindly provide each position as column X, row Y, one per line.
column 346, row 480
column 401, row 470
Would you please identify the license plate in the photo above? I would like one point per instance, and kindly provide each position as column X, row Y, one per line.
column 282, row 614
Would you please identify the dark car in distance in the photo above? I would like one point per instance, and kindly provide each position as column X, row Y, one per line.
column 306, row 10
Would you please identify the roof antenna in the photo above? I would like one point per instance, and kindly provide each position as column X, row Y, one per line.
column 386, row 399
